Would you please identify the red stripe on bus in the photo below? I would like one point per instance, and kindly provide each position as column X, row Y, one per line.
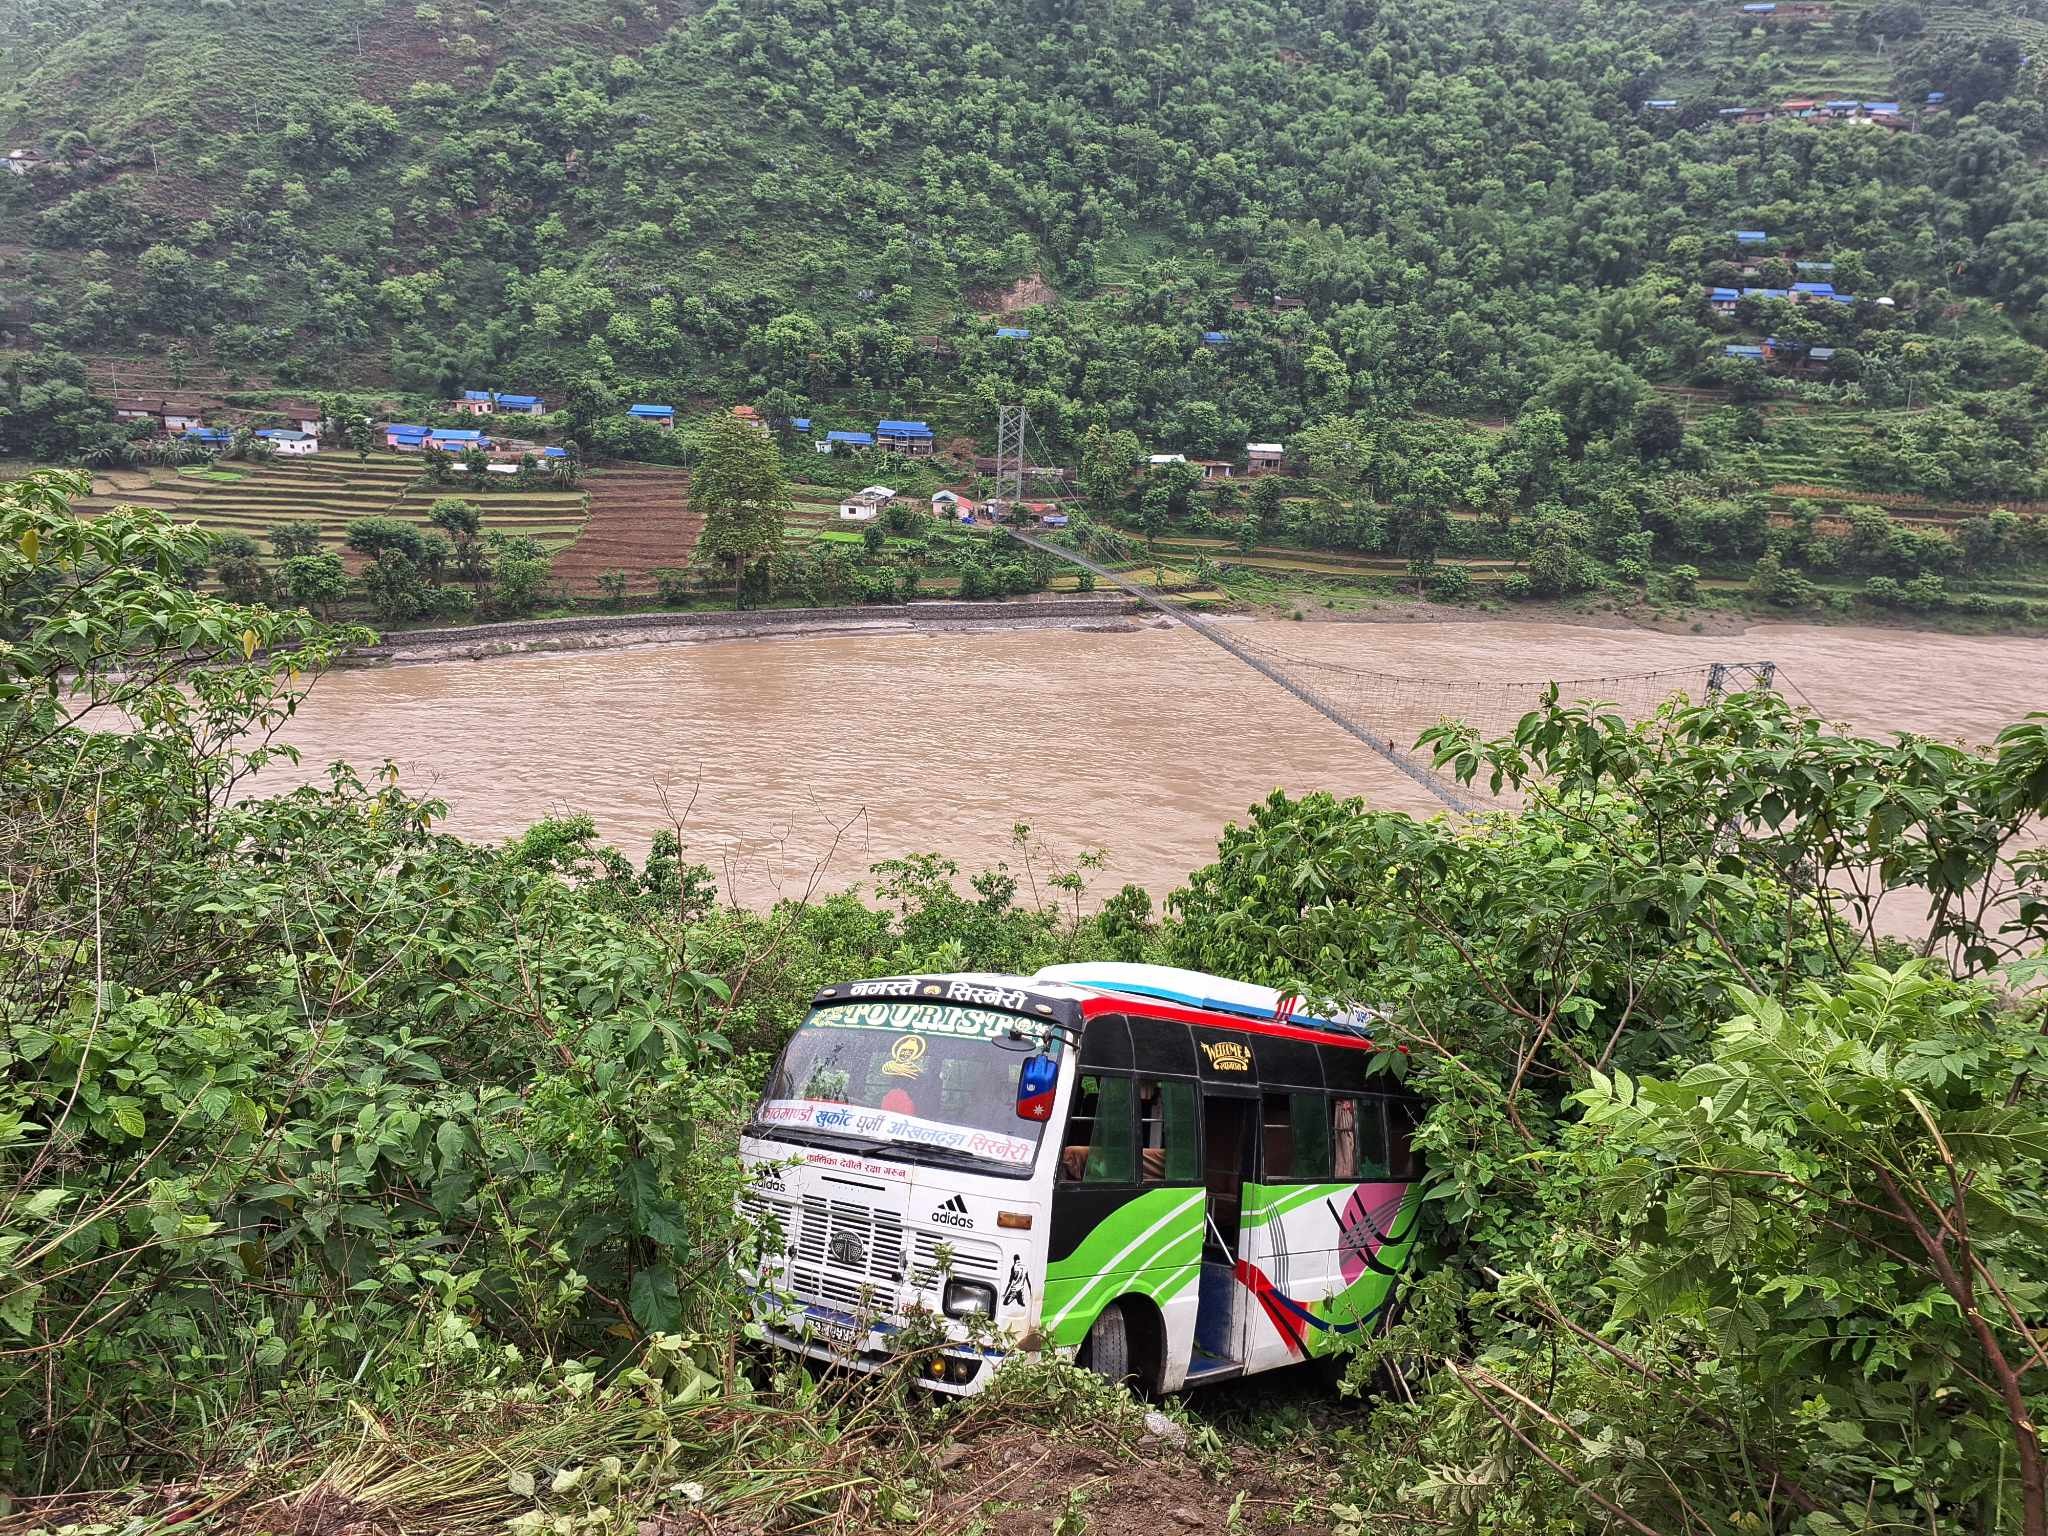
column 1152, row 1008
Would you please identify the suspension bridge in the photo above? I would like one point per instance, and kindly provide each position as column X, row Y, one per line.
column 1380, row 709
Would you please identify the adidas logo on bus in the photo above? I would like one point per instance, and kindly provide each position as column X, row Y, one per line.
column 953, row 1214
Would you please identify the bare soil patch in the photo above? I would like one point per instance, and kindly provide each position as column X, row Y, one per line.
column 1026, row 293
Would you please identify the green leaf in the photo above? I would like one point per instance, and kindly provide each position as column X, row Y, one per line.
column 18, row 1308
column 127, row 1115
column 656, row 1304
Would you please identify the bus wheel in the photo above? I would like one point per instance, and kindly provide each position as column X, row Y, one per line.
column 1107, row 1349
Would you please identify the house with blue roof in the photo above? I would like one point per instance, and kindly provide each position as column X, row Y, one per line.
column 554, row 453
column 485, row 402
column 1802, row 292
column 654, row 415
column 1662, row 104
column 1722, row 301
column 1735, row 350
column 456, row 440
column 406, row 438
column 1767, row 293
column 800, row 423
column 1936, row 98
column 289, row 441
column 1013, row 333
column 911, row 437
column 1814, row 266
column 208, row 437
column 1759, row 8
column 1881, row 108
column 1749, row 236
column 1215, row 338
column 849, row 440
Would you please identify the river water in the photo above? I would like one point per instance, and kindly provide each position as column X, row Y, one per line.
column 797, row 762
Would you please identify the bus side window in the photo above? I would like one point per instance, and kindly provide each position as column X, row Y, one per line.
column 1361, row 1139
column 1401, row 1119
column 1311, row 1114
column 1166, row 1133
column 1098, row 1146
column 1344, row 1139
column 1276, row 1138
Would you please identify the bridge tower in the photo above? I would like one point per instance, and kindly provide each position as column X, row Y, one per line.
column 1009, row 476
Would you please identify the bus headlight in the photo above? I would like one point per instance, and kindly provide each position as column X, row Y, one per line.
column 970, row 1298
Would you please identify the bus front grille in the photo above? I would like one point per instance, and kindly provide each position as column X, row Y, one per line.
column 845, row 1256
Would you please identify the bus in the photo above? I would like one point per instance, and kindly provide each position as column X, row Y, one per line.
column 1171, row 1177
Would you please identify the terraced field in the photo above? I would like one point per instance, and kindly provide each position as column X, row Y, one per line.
column 329, row 491
column 639, row 522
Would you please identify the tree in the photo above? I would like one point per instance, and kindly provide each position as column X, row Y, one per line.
column 738, row 488
column 1107, row 459
column 463, row 524
column 374, row 535
column 1659, row 431
column 315, row 582
column 519, row 568
column 290, row 539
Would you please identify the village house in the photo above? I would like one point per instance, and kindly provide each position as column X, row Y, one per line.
column 1799, row 107
column 654, row 415
column 405, row 437
column 1661, row 104
column 1216, row 469
column 1264, row 458
column 856, row 512
column 1012, row 333
column 911, row 437
column 949, row 504
column 289, row 443
column 1722, row 301
column 208, row 437
column 875, row 495
column 1287, row 301
column 452, row 440
column 800, row 424
column 832, row 440
column 138, row 408
column 1754, row 354
column 1157, row 459
column 302, row 414
column 1215, row 338
column 751, row 417
column 1748, row 236
column 486, row 402
column 182, row 415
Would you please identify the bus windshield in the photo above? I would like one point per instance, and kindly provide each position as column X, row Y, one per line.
column 934, row 1082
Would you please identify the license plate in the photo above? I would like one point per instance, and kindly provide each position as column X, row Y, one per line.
column 843, row 1339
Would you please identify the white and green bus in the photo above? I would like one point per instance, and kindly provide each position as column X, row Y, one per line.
column 1175, row 1177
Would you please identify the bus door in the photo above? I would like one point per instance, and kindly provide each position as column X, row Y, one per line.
column 1229, row 1119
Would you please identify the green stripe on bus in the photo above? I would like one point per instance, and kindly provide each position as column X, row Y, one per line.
column 1142, row 1247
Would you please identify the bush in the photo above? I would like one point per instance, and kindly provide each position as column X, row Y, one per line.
column 1515, row 586
column 1449, row 584
column 672, row 586
column 1685, row 583
column 1883, row 592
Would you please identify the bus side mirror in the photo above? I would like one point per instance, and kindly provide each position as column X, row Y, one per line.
column 1036, row 1080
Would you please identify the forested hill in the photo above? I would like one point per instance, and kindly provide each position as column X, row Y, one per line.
column 1384, row 207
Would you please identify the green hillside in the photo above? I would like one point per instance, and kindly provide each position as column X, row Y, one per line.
column 825, row 208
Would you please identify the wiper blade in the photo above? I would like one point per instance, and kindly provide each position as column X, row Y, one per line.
column 953, row 1157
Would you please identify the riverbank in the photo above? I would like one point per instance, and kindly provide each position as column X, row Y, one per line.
column 475, row 642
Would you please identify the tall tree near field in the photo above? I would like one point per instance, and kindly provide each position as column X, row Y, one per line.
column 738, row 488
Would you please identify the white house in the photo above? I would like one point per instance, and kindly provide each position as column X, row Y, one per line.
column 1167, row 458
column 951, row 503
column 875, row 495
column 856, row 512
column 294, row 444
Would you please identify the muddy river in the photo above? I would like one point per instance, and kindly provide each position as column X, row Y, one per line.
column 800, row 761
